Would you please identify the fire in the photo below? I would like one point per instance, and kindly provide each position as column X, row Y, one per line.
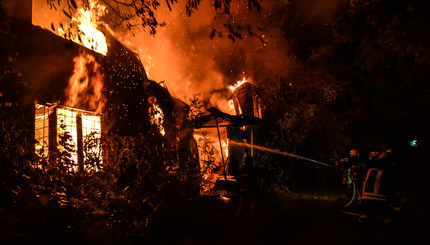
column 67, row 121
column 86, row 84
column 233, row 103
column 211, row 161
column 234, row 106
column 237, row 85
column 82, row 128
column 225, row 148
column 213, row 141
column 83, row 28
column 157, row 116
column 231, row 106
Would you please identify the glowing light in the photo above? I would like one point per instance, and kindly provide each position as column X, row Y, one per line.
column 413, row 143
column 157, row 117
column 210, row 159
column 86, row 20
column 85, row 85
column 224, row 198
column 237, row 85
column 231, row 106
column 67, row 123
column 225, row 148
column 68, row 128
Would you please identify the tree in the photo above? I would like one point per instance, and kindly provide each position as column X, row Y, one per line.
column 383, row 44
column 135, row 15
column 384, row 47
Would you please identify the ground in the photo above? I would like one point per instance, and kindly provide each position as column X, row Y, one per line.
column 286, row 219
column 280, row 219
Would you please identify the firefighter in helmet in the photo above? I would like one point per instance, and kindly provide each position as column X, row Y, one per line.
column 353, row 171
column 381, row 188
column 248, row 187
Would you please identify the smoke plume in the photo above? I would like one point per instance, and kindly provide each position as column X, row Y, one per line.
column 191, row 63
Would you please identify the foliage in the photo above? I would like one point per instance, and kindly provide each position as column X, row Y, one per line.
column 93, row 152
column 134, row 15
column 137, row 184
column 196, row 108
column 306, row 104
column 16, row 157
column 63, row 154
column 310, row 107
column 384, row 45
column 16, row 154
column 206, row 145
column 208, row 166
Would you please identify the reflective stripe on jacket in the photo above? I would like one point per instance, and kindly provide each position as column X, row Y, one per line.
column 372, row 185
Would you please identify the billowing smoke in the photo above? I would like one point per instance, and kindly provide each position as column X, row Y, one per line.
column 191, row 63
column 183, row 55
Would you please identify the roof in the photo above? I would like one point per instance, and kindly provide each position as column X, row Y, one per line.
column 217, row 118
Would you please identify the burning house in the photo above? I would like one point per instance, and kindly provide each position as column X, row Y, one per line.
column 75, row 89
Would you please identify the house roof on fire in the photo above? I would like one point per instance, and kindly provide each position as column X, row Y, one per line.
column 217, row 118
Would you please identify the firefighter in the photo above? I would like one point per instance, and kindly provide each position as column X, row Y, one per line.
column 381, row 197
column 357, row 167
column 353, row 171
column 373, row 159
column 248, row 187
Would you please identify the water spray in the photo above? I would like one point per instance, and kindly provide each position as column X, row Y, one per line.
column 276, row 151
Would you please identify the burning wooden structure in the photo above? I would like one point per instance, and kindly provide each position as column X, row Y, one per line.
column 247, row 104
column 241, row 128
column 69, row 88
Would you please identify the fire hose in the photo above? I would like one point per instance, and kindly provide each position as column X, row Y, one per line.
column 276, row 151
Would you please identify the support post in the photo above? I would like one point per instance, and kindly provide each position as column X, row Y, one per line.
column 80, row 143
column 220, row 147
column 52, row 137
column 252, row 142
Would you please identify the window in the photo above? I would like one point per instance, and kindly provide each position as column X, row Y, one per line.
column 68, row 129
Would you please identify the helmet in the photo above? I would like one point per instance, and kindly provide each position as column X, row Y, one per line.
column 373, row 154
column 354, row 153
column 383, row 155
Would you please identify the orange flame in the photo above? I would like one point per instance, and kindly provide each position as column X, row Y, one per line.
column 225, row 148
column 156, row 116
column 83, row 28
column 91, row 124
column 86, row 84
column 237, row 85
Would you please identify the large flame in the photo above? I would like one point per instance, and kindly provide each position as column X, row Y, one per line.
column 87, row 20
column 237, row 85
column 86, row 84
column 78, row 25
column 156, row 116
